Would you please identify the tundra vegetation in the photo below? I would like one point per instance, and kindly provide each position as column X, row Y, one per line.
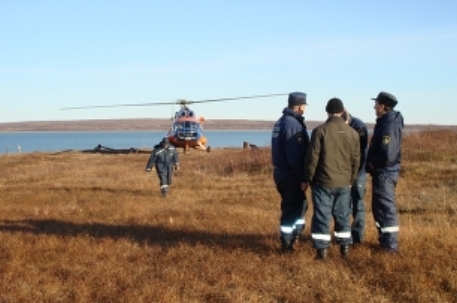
column 80, row 227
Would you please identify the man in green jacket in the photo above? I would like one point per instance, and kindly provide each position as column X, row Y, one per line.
column 331, row 167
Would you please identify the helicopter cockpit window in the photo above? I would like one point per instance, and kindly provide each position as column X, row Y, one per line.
column 187, row 130
column 185, row 113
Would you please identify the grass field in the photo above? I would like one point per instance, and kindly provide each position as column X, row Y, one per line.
column 77, row 227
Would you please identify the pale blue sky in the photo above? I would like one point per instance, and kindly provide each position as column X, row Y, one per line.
column 56, row 54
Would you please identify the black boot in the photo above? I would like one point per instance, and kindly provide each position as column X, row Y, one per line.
column 287, row 247
column 298, row 234
column 322, row 253
column 344, row 250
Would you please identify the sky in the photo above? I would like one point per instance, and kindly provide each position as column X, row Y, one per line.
column 57, row 54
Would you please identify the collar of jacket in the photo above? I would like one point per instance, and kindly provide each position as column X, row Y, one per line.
column 289, row 112
column 335, row 119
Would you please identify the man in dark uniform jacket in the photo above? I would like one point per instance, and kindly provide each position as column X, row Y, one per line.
column 289, row 143
column 358, row 189
column 164, row 158
column 383, row 163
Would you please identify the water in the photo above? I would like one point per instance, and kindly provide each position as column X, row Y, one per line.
column 26, row 142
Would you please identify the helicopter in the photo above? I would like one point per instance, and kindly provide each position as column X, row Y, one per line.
column 186, row 130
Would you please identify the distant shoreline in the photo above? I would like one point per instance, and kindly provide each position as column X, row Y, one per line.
column 164, row 125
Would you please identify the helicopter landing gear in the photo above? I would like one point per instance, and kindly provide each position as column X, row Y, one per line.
column 208, row 149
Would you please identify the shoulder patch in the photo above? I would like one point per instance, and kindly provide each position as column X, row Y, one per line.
column 361, row 132
column 385, row 140
column 299, row 138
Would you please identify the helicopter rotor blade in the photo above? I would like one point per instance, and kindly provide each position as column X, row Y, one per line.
column 181, row 102
column 117, row 105
column 235, row 98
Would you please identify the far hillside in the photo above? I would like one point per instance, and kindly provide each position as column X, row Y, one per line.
column 160, row 124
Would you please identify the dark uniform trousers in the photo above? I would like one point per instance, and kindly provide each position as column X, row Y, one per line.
column 165, row 176
column 328, row 203
column 385, row 210
column 358, row 191
column 293, row 206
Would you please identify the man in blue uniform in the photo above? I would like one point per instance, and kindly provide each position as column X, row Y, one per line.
column 383, row 163
column 289, row 143
column 358, row 188
column 164, row 158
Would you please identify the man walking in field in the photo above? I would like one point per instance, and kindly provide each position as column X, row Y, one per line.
column 383, row 163
column 164, row 158
column 289, row 143
column 331, row 167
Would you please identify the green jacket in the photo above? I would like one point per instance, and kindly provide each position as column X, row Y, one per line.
column 333, row 156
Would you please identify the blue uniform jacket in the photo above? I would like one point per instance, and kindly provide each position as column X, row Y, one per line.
column 289, row 143
column 384, row 152
column 163, row 158
column 362, row 130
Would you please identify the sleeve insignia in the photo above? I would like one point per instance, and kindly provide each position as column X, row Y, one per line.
column 299, row 138
column 385, row 140
column 361, row 133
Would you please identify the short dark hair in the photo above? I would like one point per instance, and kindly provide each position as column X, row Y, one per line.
column 334, row 106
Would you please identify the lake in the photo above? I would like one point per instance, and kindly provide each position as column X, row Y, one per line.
column 26, row 142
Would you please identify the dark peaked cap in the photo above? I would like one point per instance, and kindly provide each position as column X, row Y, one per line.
column 297, row 98
column 386, row 99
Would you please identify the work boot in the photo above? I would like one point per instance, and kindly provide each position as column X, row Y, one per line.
column 287, row 247
column 344, row 250
column 296, row 240
column 389, row 251
column 322, row 253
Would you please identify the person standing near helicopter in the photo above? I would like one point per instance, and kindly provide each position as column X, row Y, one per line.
column 164, row 158
column 289, row 144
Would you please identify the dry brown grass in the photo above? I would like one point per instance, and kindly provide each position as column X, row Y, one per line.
column 78, row 227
